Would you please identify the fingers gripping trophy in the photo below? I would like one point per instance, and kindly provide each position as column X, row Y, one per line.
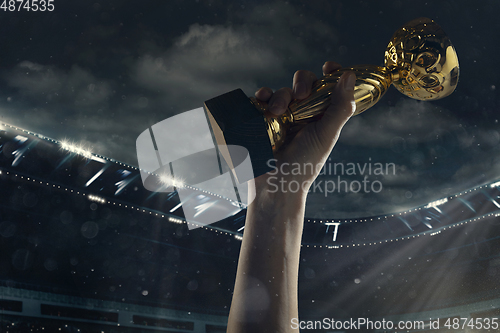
column 420, row 62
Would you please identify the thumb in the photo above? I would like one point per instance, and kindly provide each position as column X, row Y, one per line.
column 342, row 107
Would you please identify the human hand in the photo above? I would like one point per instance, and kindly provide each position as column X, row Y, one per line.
column 309, row 149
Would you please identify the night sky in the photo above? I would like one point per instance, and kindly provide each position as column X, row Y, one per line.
column 98, row 73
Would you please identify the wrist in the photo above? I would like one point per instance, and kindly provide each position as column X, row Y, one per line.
column 274, row 206
column 276, row 186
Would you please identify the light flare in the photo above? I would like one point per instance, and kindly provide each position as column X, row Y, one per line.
column 96, row 198
column 168, row 180
column 497, row 184
column 75, row 148
column 436, row 203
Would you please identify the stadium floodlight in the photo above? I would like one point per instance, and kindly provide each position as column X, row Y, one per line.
column 436, row 203
column 170, row 181
column 497, row 184
column 77, row 149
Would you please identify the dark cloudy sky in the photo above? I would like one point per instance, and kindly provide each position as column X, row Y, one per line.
column 100, row 72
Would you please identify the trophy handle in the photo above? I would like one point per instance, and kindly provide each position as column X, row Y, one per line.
column 371, row 84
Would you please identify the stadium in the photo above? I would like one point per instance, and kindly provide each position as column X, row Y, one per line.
column 94, row 240
column 85, row 248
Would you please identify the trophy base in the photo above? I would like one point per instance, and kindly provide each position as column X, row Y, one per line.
column 234, row 120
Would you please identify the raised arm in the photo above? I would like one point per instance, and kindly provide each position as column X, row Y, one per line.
column 265, row 293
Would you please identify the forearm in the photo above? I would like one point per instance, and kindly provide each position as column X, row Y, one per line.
column 265, row 294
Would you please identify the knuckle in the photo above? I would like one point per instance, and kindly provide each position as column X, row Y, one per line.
column 284, row 92
column 302, row 74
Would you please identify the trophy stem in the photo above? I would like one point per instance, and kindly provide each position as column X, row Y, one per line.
column 371, row 84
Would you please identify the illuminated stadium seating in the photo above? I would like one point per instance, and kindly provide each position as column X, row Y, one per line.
column 85, row 245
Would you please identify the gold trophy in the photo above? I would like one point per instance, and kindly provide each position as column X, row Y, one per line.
column 420, row 62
